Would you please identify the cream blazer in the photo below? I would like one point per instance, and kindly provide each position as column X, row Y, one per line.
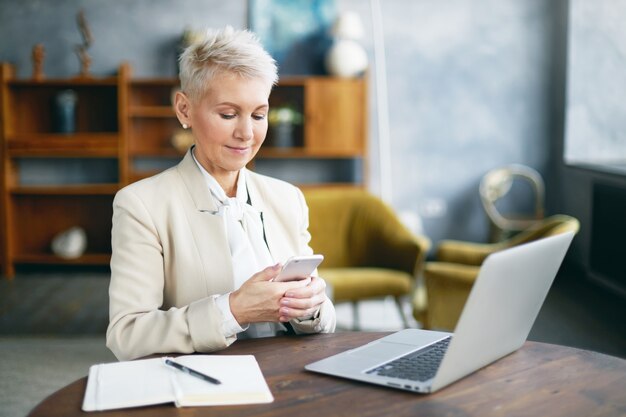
column 171, row 254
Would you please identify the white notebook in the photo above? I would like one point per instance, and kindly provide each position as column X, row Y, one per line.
column 150, row 381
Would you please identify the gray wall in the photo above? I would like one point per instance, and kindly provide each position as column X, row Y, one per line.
column 142, row 32
column 469, row 91
column 472, row 84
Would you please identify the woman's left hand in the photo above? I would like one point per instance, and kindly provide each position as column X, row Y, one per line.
column 303, row 302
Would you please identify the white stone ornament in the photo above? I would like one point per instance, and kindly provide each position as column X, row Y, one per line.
column 346, row 58
column 70, row 244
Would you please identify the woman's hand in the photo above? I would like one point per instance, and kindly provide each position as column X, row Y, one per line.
column 259, row 299
column 303, row 302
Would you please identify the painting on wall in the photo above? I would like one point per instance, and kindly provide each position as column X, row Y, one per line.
column 295, row 32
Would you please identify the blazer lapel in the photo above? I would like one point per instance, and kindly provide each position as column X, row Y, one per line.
column 207, row 228
column 195, row 184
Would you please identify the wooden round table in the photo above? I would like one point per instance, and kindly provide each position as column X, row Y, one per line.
column 538, row 380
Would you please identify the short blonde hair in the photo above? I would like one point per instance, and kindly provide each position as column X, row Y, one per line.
column 224, row 50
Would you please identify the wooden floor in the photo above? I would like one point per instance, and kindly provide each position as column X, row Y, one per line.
column 55, row 303
column 582, row 314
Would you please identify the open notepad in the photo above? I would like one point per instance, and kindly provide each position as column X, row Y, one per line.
column 151, row 381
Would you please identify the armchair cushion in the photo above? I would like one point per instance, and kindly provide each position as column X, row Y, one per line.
column 353, row 284
column 353, row 228
column 368, row 251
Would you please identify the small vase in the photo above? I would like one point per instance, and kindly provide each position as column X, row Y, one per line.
column 283, row 135
column 64, row 109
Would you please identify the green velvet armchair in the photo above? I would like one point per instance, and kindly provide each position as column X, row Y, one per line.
column 450, row 278
column 368, row 252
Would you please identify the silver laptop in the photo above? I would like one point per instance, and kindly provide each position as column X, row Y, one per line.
column 497, row 317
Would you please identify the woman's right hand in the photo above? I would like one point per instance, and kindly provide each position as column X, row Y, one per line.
column 258, row 299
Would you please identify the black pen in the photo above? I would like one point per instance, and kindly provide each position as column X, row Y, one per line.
column 192, row 372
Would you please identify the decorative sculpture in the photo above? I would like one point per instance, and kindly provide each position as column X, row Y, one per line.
column 70, row 244
column 81, row 49
column 39, row 53
column 346, row 57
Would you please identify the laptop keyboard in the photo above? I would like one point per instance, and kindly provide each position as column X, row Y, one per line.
column 420, row 365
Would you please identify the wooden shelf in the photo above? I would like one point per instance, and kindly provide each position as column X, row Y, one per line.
column 155, row 82
column 299, row 80
column 51, row 259
column 152, row 111
column 55, row 144
column 295, row 152
column 157, row 153
column 135, row 176
column 66, row 82
column 96, row 189
column 151, row 97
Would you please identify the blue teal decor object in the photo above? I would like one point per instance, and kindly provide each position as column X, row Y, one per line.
column 64, row 111
column 294, row 32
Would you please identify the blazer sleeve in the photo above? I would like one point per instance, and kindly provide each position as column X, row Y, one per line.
column 138, row 325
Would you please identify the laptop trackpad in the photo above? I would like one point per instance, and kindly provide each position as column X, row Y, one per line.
column 383, row 350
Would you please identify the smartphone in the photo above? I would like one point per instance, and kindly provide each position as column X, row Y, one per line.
column 299, row 267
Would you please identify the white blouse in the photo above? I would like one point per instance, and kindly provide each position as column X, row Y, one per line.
column 249, row 252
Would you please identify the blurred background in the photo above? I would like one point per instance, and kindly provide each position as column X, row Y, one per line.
column 470, row 86
column 445, row 92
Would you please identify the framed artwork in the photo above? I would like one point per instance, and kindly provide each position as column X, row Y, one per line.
column 294, row 32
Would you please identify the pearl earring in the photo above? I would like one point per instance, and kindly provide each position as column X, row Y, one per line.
column 185, row 126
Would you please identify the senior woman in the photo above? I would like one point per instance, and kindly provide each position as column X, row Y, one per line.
column 196, row 247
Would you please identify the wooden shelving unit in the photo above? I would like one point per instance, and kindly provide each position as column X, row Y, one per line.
column 32, row 213
column 335, row 122
column 334, row 128
column 152, row 124
column 128, row 125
